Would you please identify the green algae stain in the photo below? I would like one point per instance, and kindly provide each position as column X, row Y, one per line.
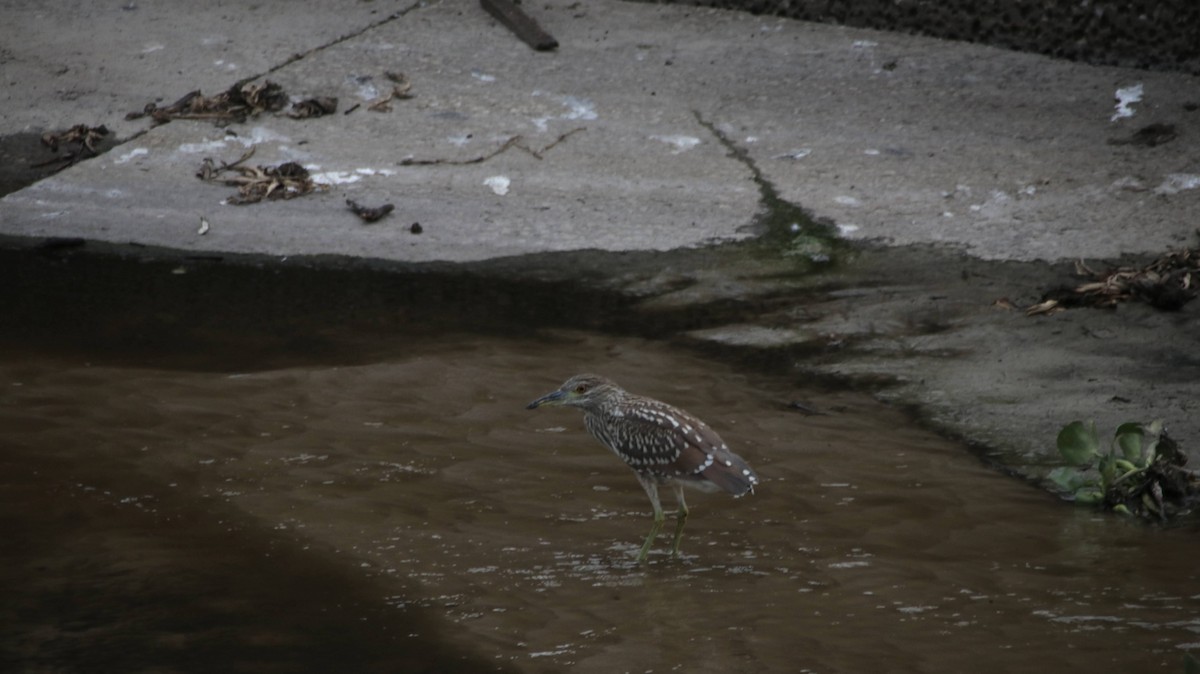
column 786, row 230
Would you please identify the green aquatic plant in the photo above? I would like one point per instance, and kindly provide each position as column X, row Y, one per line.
column 1140, row 474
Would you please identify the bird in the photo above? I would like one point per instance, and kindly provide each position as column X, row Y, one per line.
column 664, row 445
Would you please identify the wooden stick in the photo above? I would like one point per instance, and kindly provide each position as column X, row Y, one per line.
column 516, row 20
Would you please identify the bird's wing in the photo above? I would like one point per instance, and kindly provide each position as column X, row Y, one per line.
column 672, row 443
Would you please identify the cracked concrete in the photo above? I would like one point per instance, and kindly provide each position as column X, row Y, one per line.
column 893, row 137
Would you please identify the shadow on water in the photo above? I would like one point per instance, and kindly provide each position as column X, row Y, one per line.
column 155, row 583
column 212, row 467
column 107, row 568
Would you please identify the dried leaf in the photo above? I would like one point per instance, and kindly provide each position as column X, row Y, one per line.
column 314, row 107
column 369, row 214
column 1166, row 283
column 236, row 104
column 254, row 184
column 79, row 142
column 1044, row 308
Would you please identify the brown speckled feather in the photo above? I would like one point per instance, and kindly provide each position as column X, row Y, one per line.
column 668, row 444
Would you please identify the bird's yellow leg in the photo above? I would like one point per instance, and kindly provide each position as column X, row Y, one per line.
column 651, row 488
column 658, row 522
column 680, row 520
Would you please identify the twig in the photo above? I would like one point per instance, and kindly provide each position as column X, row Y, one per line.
column 512, row 142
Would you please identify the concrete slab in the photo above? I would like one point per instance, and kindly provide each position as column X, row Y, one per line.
column 893, row 137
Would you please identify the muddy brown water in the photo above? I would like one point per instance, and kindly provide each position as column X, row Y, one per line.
column 402, row 511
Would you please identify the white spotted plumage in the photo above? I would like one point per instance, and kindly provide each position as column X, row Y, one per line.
column 664, row 445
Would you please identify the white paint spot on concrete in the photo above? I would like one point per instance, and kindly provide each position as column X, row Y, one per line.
column 482, row 77
column 579, row 108
column 374, row 172
column 367, row 90
column 681, row 143
column 871, row 152
column 847, row 201
column 499, row 184
column 222, row 63
column 1178, row 182
column 261, row 134
column 1128, row 183
column 136, row 152
column 1126, row 97
column 794, row 155
column 197, row 148
column 459, row 141
column 335, row 178
column 152, row 47
column 864, row 44
column 846, row 229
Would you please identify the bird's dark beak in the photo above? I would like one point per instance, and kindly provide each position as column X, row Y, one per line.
column 551, row 399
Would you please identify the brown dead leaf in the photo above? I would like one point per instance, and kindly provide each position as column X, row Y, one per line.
column 79, row 143
column 314, row 107
column 254, row 184
column 1044, row 308
column 399, row 92
column 1165, row 283
column 236, row 104
column 369, row 214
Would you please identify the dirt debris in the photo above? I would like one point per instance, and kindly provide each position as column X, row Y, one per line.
column 401, row 90
column 254, row 184
column 79, row 143
column 1167, row 283
column 368, row 214
column 314, row 107
column 236, row 104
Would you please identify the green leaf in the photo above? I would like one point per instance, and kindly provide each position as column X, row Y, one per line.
column 1078, row 443
column 1120, row 508
column 1130, row 427
column 1108, row 471
column 1129, row 439
column 1124, row 466
column 1155, row 432
column 1088, row 497
column 1069, row 479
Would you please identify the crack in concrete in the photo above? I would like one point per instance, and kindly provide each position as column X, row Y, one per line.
column 779, row 222
column 775, row 210
column 338, row 40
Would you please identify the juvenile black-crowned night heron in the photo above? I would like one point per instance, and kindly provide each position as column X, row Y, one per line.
column 662, row 444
